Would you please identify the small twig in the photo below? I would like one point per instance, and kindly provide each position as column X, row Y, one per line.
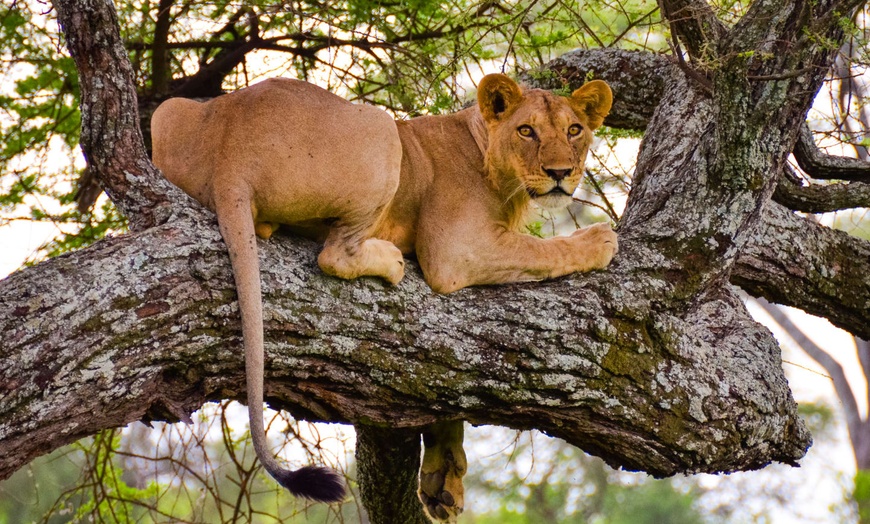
column 593, row 204
column 690, row 71
column 611, row 212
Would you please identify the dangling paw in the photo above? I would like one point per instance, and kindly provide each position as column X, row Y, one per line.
column 444, row 464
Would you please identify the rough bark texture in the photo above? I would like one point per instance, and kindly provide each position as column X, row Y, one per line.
column 388, row 460
column 111, row 139
column 150, row 328
column 633, row 102
column 653, row 364
column 828, row 167
column 816, row 198
column 796, row 262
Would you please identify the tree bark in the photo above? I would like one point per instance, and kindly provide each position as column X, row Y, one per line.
column 653, row 364
column 816, row 198
column 146, row 326
column 111, row 139
column 828, row 167
column 796, row 262
column 634, row 102
column 388, row 460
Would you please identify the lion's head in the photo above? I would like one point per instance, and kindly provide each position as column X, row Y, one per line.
column 538, row 141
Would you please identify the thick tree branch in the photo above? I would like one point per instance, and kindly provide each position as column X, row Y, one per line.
column 816, row 198
column 208, row 80
column 149, row 321
column 637, row 79
column 696, row 26
column 822, row 166
column 796, row 262
column 111, row 140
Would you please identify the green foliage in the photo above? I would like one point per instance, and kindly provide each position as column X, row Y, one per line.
column 613, row 134
column 91, row 226
column 536, row 229
column 652, row 502
column 818, row 416
column 29, row 494
column 861, row 494
column 107, row 497
column 40, row 125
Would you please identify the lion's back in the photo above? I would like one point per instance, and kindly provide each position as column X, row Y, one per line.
column 279, row 133
column 176, row 144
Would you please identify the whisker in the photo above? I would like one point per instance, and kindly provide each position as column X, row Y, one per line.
column 520, row 187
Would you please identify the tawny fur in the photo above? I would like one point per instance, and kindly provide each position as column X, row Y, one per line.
column 452, row 189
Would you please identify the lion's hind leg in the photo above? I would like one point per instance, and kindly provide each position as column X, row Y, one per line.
column 347, row 254
column 444, row 464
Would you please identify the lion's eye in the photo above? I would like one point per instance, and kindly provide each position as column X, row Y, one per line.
column 526, row 131
column 575, row 130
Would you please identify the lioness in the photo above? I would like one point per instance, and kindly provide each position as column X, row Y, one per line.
column 451, row 189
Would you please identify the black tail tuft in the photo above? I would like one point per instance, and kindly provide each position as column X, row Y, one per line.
column 312, row 482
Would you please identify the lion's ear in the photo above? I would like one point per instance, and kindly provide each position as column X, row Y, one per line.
column 496, row 95
column 592, row 101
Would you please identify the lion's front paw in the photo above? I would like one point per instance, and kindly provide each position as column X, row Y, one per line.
column 600, row 244
column 396, row 265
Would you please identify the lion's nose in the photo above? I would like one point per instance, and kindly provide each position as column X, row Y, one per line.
column 558, row 174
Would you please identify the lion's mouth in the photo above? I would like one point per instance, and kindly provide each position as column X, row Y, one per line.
column 557, row 190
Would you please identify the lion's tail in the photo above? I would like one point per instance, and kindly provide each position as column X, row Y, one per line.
column 233, row 209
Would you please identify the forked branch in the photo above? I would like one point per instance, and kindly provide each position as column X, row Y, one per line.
column 819, row 198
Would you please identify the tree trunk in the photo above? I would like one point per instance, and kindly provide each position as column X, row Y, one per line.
column 653, row 364
column 389, row 460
